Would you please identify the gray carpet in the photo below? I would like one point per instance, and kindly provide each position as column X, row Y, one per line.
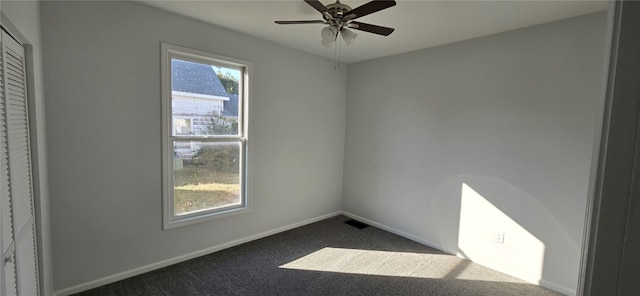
column 325, row 258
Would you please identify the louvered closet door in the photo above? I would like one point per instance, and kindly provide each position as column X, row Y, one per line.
column 8, row 251
column 20, row 268
column 8, row 270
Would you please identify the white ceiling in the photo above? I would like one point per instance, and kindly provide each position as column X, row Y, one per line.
column 418, row 23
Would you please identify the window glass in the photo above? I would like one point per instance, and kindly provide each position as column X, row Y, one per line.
column 208, row 95
column 209, row 179
column 181, row 126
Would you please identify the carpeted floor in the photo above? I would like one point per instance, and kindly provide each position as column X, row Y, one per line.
column 325, row 258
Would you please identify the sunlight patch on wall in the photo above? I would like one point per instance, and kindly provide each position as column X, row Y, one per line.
column 489, row 236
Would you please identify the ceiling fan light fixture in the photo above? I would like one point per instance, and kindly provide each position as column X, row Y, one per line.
column 327, row 44
column 348, row 36
column 328, row 34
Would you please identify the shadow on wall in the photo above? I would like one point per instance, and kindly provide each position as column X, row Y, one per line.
column 501, row 226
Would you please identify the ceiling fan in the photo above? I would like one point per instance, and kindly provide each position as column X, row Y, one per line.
column 340, row 18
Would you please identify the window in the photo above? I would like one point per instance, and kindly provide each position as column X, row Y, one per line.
column 204, row 136
column 181, row 126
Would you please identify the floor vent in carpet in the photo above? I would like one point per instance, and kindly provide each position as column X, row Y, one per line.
column 356, row 224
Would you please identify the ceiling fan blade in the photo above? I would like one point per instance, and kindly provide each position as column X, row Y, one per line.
column 371, row 7
column 317, row 5
column 385, row 31
column 299, row 22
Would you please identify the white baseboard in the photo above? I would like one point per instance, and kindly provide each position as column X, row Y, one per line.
column 558, row 288
column 400, row 233
column 185, row 257
column 143, row 269
column 536, row 280
column 525, row 277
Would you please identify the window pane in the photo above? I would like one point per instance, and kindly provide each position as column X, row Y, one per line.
column 207, row 179
column 207, row 95
column 181, row 126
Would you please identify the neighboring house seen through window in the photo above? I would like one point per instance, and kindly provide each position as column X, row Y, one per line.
column 204, row 136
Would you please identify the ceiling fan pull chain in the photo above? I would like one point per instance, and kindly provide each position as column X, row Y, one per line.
column 339, row 43
column 335, row 57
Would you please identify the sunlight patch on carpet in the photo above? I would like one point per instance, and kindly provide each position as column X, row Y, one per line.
column 383, row 263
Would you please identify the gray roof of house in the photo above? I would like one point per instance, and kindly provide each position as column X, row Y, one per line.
column 195, row 78
column 231, row 106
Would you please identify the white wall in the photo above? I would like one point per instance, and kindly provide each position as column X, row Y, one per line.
column 23, row 19
column 102, row 78
column 455, row 144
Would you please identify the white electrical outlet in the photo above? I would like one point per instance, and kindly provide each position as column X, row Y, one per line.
column 499, row 238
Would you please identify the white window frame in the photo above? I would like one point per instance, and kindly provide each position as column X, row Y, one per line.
column 168, row 52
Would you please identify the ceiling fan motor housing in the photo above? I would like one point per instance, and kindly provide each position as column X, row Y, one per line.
column 337, row 10
column 336, row 15
column 339, row 16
